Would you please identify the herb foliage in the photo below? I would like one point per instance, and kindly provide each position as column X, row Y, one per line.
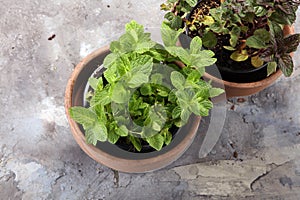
column 253, row 28
column 143, row 93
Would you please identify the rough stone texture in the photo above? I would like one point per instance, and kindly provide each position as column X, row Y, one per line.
column 256, row 157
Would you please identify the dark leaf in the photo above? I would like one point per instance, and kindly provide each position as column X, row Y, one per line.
column 285, row 63
column 291, row 42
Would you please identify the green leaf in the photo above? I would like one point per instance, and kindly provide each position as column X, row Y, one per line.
column 122, row 131
column 260, row 11
column 100, row 111
column 168, row 137
column 146, row 89
column 83, row 115
column 97, row 133
column 93, row 82
column 208, row 20
column 185, row 115
column 178, row 80
column 142, row 63
column 181, row 53
column 110, row 59
column 263, row 34
column 202, row 59
column 120, row 94
column 229, row 48
column 133, row 25
column 172, row 97
column 169, row 35
column 176, row 112
column 271, row 68
column 196, row 45
column 156, row 141
column 136, row 142
column 209, row 40
column 174, row 21
column 192, row 3
column 259, row 40
column 234, row 35
column 100, row 97
column 138, row 79
column 113, row 137
column 156, row 78
column 214, row 92
column 204, row 107
column 239, row 56
column 110, row 74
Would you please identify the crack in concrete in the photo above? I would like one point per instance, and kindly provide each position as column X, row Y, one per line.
column 266, row 173
column 116, row 178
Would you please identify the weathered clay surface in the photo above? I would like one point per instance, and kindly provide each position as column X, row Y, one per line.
column 256, row 157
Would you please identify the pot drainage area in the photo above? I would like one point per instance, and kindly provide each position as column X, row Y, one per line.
column 255, row 156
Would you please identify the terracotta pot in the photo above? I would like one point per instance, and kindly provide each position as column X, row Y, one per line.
column 233, row 89
column 109, row 154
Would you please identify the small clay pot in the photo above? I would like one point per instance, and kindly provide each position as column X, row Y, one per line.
column 233, row 89
column 109, row 154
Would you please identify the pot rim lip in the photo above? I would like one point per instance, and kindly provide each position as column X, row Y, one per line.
column 273, row 76
column 91, row 149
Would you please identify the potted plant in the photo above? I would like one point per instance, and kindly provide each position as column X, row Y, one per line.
column 131, row 107
column 252, row 39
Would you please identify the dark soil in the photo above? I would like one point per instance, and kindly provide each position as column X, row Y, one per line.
column 126, row 145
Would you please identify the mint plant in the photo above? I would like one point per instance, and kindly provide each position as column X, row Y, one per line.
column 244, row 27
column 143, row 94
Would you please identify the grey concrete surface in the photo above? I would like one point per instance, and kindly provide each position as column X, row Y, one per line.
column 256, row 157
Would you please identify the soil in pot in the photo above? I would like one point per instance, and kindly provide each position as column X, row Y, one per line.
column 238, row 72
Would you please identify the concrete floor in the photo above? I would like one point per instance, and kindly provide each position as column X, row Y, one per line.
column 256, row 157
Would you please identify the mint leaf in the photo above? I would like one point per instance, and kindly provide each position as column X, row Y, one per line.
column 169, row 35
column 178, row 80
column 176, row 112
column 133, row 25
column 156, row 141
column 185, row 115
column 120, row 94
column 138, row 79
column 122, row 131
column 180, row 53
column 204, row 107
column 196, row 45
column 136, row 142
column 214, row 92
column 113, row 137
column 83, row 115
column 100, row 97
column 93, row 82
column 97, row 133
column 168, row 136
column 146, row 89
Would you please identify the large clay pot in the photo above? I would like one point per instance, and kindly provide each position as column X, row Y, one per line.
column 107, row 153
